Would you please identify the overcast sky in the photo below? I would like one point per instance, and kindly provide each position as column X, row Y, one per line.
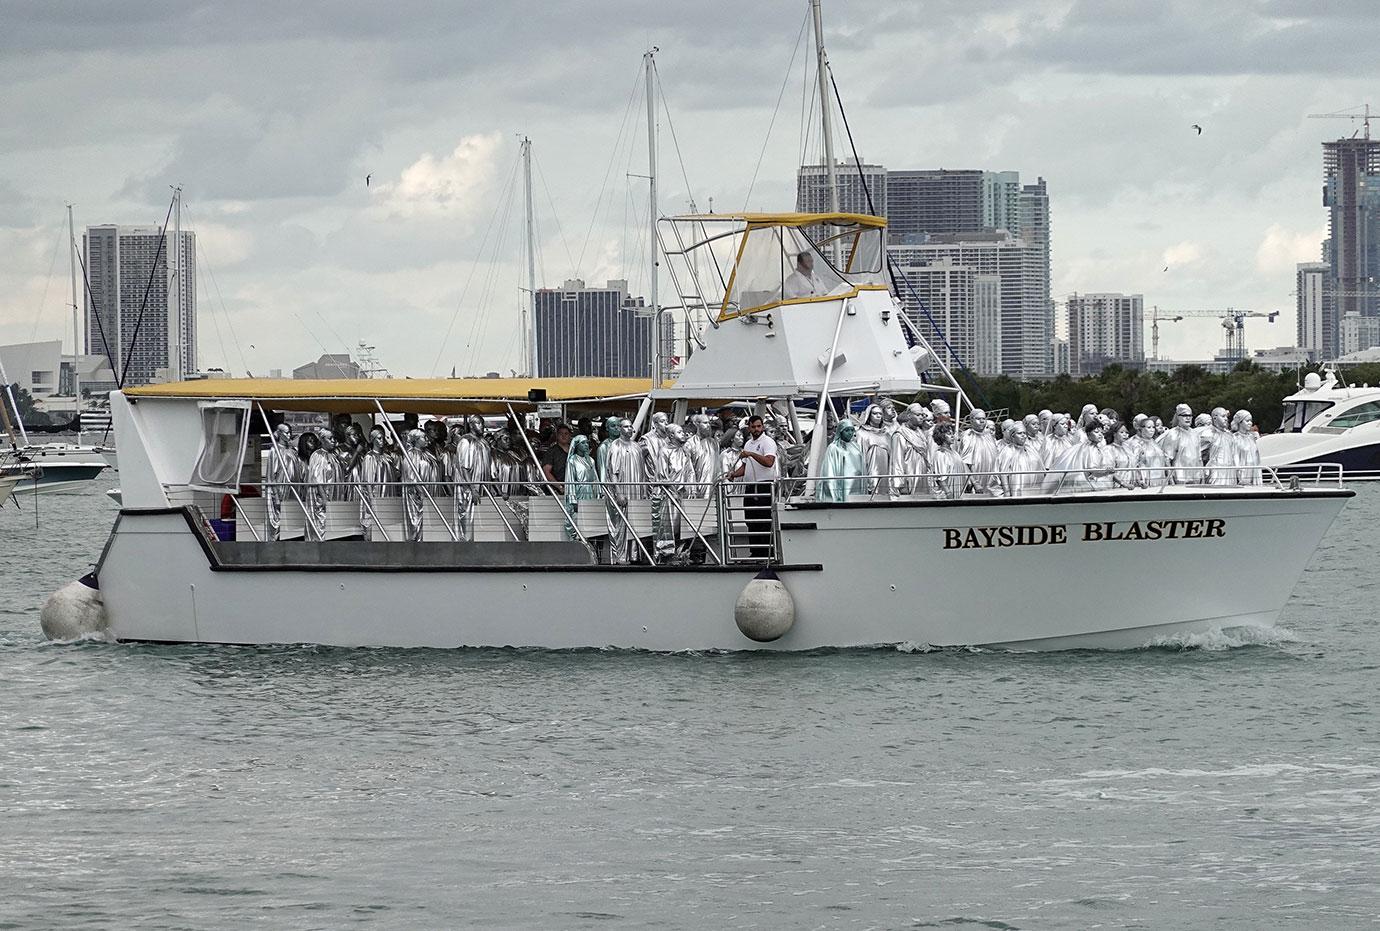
column 271, row 114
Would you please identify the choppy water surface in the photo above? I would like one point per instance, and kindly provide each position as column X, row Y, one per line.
column 1213, row 783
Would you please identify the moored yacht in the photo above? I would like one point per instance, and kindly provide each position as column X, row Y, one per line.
column 1327, row 423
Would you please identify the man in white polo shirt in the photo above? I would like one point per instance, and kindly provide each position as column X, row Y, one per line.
column 758, row 468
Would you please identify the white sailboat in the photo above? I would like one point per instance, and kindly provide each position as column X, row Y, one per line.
column 787, row 570
column 48, row 467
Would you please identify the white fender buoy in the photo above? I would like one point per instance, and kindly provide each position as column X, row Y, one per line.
column 764, row 610
column 73, row 611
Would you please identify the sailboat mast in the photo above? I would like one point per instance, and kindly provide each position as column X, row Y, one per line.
column 175, row 334
column 76, row 326
column 826, row 124
column 529, row 308
column 658, row 364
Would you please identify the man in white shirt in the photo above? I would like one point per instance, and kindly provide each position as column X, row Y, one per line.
column 757, row 466
column 802, row 282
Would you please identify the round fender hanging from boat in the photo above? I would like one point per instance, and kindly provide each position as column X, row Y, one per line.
column 73, row 611
column 765, row 609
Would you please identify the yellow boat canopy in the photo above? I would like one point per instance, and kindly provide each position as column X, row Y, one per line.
column 407, row 395
column 788, row 219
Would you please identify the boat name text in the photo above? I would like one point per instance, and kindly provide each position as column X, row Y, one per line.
column 981, row 538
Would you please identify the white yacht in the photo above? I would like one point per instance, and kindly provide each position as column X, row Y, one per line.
column 50, row 467
column 1327, row 423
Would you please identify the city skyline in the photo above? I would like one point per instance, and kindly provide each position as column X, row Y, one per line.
column 306, row 258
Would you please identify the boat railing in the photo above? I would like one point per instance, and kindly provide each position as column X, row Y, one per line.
column 659, row 522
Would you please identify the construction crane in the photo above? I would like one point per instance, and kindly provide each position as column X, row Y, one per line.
column 1364, row 116
column 1233, row 322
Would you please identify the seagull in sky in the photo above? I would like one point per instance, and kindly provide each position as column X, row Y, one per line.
column 371, row 175
column 1199, row 128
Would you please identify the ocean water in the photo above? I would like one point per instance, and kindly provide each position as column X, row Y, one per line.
column 1225, row 781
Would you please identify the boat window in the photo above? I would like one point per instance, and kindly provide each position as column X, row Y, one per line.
column 779, row 263
column 1358, row 415
column 1298, row 414
column 224, row 435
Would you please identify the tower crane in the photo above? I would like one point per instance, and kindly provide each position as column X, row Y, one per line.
column 1364, row 116
column 1233, row 322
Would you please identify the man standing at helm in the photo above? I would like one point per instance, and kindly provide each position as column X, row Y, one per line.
column 802, row 282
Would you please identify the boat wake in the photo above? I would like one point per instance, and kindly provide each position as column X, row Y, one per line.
column 1227, row 638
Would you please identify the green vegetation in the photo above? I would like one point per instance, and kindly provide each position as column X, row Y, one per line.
column 1130, row 393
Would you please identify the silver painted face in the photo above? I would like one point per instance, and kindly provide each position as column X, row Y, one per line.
column 703, row 425
column 1146, row 430
column 327, row 440
column 1219, row 418
column 874, row 418
column 376, row 439
column 675, row 434
column 1018, row 435
column 1031, row 423
column 659, row 422
column 846, row 431
column 625, row 429
column 476, row 424
column 979, row 418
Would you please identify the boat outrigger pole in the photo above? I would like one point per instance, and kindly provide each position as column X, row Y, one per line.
column 76, row 327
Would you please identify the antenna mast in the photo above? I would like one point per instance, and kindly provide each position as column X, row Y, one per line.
column 529, row 308
column 658, row 363
column 826, row 119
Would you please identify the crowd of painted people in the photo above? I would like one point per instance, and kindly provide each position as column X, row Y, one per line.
column 444, row 469
column 919, row 451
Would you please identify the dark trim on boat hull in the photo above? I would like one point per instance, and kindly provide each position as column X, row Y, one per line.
column 983, row 501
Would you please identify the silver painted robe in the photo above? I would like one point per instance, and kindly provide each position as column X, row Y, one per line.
column 1184, row 454
column 705, row 471
column 1221, row 457
column 948, row 473
column 625, row 481
column 1020, row 471
column 979, row 451
column 471, row 465
column 418, row 475
column 283, row 466
column 375, row 476
column 1247, row 458
column 875, row 444
column 324, row 480
column 910, row 460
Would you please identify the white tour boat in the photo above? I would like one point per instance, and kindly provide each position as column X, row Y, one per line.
column 880, row 568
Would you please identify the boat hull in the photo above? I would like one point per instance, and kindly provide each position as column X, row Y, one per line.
column 55, row 478
column 1089, row 571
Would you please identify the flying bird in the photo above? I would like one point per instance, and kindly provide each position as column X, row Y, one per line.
column 371, row 175
column 1199, row 128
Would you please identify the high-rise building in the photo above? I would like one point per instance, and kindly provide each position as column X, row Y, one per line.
column 1033, row 227
column 1359, row 333
column 1317, row 311
column 1105, row 329
column 933, row 201
column 1351, row 192
column 1001, row 200
column 596, row 332
column 929, row 214
column 1012, row 267
column 133, row 318
column 812, row 188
